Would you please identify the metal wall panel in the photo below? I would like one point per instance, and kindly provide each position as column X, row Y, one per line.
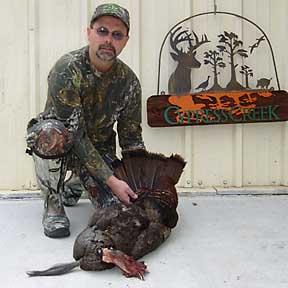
column 265, row 145
column 14, row 91
column 35, row 33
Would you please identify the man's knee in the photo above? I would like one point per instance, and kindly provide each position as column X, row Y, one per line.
column 49, row 139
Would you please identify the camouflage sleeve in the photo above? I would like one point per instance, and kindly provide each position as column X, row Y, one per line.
column 129, row 122
column 64, row 94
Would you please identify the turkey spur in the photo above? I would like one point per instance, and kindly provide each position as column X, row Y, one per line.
column 118, row 234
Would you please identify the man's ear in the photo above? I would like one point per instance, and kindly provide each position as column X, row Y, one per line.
column 88, row 31
column 126, row 39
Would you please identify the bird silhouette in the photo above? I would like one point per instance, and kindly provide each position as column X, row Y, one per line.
column 256, row 44
column 204, row 84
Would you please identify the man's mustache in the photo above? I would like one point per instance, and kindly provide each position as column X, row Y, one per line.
column 107, row 46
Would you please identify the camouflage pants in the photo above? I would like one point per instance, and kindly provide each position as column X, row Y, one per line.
column 51, row 173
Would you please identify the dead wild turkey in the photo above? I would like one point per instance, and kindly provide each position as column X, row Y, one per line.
column 119, row 234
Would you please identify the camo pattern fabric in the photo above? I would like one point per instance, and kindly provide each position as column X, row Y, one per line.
column 90, row 102
column 112, row 10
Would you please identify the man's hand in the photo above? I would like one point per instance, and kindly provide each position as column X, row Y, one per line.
column 121, row 189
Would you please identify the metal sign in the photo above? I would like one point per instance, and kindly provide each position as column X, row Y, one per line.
column 217, row 108
column 212, row 101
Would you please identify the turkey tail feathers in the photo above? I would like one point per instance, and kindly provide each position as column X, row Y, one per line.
column 173, row 167
column 153, row 172
column 119, row 170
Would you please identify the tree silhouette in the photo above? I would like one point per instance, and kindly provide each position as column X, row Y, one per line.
column 246, row 71
column 212, row 58
column 232, row 46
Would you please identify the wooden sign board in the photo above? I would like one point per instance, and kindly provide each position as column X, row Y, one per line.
column 227, row 107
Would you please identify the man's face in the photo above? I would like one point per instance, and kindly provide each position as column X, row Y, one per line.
column 107, row 37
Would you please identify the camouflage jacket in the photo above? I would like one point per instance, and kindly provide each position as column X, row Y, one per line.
column 92, row 102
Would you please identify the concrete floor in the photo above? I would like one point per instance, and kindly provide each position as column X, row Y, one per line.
column 220, row 241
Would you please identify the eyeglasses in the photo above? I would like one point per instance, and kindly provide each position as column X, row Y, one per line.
column 103, row 32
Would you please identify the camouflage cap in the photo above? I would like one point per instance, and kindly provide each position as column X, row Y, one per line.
column 112, row 10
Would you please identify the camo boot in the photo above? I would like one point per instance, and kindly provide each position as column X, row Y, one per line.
column 55, row 222
column 50, row 176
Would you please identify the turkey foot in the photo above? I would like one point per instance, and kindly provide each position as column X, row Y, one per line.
column 129, row 266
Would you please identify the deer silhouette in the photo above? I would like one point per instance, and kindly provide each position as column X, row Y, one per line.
column 180, row 79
